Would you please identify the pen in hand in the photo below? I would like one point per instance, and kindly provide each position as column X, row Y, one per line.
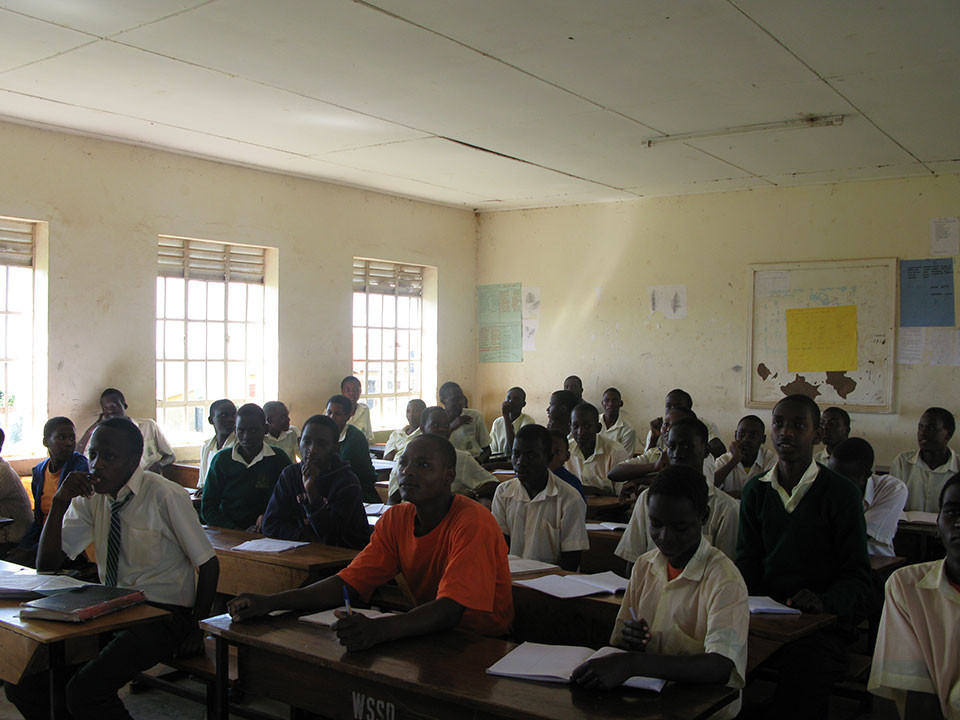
column 346, row 601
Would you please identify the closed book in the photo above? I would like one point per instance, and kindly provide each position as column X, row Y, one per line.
column 84, row 603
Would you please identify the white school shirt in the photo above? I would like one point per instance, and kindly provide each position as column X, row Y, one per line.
column 498, row 433
column 918, row 638
column 712, row 433
column 208, row 450
column 822, row 457
column 738, row 477
column 622, row 432
column 161, row 540
column 542, row 527
column 923, row 483
column 399, row 440
column 470, row 475
column 289, row 442
column 883, row 501
column 155, row 445
column 651, row 456
column 593, row 470
column 14, row 504
column 472, row 437
column 361, row 420
column 721, row 529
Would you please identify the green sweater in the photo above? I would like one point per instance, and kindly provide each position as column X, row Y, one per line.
column 356, row 450
column 821, row 545
column 234, row 496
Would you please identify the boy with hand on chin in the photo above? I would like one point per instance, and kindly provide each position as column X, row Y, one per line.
column 592, row 456
column 318, row 499
column 160, row 549
column 685, row 614
column 746, row 457
column 467, row 429
column 448, row 548
column 399, row 438
column 511, row 419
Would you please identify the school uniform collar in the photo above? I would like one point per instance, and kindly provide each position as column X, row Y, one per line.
column 132, row 485
column 952, row 465
column 517, row 490
column 229, row 442
column 265, row 452
column 870, row 491
column 936, row 579
column 694, row 569
column 598, row 448
column 758, row 462
column 792, row 499
column 617, row 424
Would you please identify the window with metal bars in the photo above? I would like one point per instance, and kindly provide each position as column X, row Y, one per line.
column 210, row 331
column 388, row 337
column 16, row 334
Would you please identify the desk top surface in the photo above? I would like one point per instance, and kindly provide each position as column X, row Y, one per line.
column 312, row 556
column 451, row 667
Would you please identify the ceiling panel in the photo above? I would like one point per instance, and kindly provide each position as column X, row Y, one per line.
column 850, row 175
column 130, row 82
column 24, row 40
column 100, row 17
column 658, row 188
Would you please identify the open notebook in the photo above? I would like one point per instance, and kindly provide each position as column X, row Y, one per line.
column 919, row 516
column 571, row 586
column 762, row 605
column 556, row 663
column 327, row 617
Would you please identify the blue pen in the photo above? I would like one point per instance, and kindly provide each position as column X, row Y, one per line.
column 633, row 613
column 346, row 601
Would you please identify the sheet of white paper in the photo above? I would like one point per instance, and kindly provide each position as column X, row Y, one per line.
column 529, row 331
column 668, row 300
column 772, row 282
column 268, row 545
column 530, row 305
column 328, row 618
column 522, row 565
column 761, row 604
column 919, row 516
column 560, row 586
column 375, row 508
column 943, row 344
column 944, row 236
column 504, row 471
column 910, row 342
column 639, row 682
column 535, row 661
column 608, row 581
column 379, row 464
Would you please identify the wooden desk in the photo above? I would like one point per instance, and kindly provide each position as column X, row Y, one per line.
column 786, row 628
column 886, row 565
column 266, row 573
column 187, row 476
column 607, row 507
column 600, row 557
column 923, row 533
column 378, row 449
column 440, row 676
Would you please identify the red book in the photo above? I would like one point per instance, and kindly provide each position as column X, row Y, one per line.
column 83, row 603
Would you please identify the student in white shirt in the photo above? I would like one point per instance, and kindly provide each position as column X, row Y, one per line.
column 162, row 551
column 925, row 470
column 280, row 433
column 633, row 471
column 834, row 429
column 615, row 425
column 157, row 452
column 592, row 456
column 351, row 388
column 511, row 419
column 746, row 457
column 223, row 418
column 562, row 403
column 542, row 517
column 468, row 430
column 678, row 399
column 883, row 495
column 574, row 385
column 401, row 436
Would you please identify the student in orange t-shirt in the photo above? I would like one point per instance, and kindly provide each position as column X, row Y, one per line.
column 449, row 548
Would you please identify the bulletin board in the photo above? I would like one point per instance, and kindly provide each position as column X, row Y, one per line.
column 823, row 329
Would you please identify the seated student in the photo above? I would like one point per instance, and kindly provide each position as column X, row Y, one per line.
column 685, row 615
column 147, row 537
column 916, row 662
column 746, row 458
column 883, row 495
column 615, row 425
column 14, row 504
column 803, row 542
column 318, row 499
column 351, row 389
column 60, row 440
column 467, row 429
column 354, row 448
column 560, row 453
column 925, row 470
column 469, row 479
column 241, row 479
column 592, row 456
column 157, row 452
column 834, row 429
column 280, row 433
column 574, row 385
column 687, row 446
column 511, row 419
column 223, row 417
column 399, row 438
column 681, row 400
column 541, row 516
column 449, row 549
column 562, row 403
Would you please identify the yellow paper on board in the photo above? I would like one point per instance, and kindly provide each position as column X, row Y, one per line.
column 822, row 339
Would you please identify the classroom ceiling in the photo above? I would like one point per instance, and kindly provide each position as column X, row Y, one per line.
column 502, row 104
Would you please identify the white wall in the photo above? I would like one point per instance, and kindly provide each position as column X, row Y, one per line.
column 594, row 263
column 107, row 202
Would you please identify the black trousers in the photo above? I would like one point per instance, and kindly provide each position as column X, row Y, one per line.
column 91, row 688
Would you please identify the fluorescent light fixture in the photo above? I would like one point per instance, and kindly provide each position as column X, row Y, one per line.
column 807, row 122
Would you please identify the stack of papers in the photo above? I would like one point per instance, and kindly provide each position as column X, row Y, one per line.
column 762, row 605
column 556, row 663
column 510, row 473
column 571, row 586
column 268, row 545
column 522, row 565
column 27, row 584
column 379, row 464
column 375, row 508
column 606, row 526
column 918, row 516
column 327, row 617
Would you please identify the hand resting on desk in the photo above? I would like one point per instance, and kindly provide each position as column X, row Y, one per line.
column 806, row 601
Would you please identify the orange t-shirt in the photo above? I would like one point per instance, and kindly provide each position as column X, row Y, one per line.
column 51, row 482
column 673, row 573
column 464, row 558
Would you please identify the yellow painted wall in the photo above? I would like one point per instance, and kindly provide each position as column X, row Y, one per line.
column 593, row 264
column 106, row 203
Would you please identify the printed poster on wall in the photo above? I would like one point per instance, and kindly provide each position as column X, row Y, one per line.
column 498, row 315
column 926, row 293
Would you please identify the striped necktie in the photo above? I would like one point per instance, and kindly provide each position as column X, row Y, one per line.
column 113, row 541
